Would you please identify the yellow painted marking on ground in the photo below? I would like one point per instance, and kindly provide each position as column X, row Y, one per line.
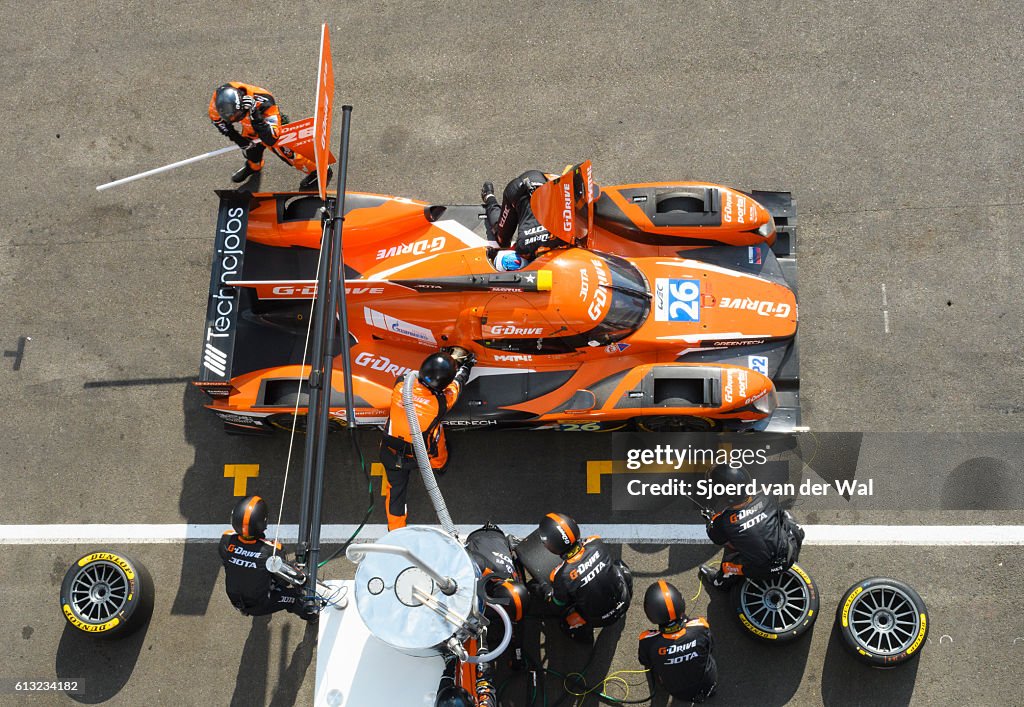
column 377, row 469
column 241, row 474
column 598, row 468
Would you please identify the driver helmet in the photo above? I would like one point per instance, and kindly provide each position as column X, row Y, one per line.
column 249, row 518
column 507, row 261
column 559, row 533
column 228, row 101
column 437, row 371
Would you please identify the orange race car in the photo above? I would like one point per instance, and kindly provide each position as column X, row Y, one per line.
column 675, row 309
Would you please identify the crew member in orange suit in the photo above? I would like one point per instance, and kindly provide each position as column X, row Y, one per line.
column 258, row 117
column 438, row 385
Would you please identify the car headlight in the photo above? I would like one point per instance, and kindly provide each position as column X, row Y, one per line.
column 766, row 229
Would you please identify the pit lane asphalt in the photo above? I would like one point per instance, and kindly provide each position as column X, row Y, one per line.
column 897, row 127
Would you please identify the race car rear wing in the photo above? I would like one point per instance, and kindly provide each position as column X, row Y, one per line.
column 223, row 304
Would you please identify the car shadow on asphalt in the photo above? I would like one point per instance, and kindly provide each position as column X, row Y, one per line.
column 846, row 682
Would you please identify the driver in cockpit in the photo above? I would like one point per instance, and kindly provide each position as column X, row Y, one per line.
column 513, row 224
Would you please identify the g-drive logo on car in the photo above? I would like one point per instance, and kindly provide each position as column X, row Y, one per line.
column 676, row 300
column 220, row 313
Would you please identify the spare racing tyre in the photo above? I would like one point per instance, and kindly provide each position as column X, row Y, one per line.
column 883, row 621
column 106, row 594
column 779, row 609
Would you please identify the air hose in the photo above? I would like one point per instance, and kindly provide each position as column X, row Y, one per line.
column 422, row 459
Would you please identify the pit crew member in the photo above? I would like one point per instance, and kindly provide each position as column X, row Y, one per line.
column 258, row 117
column 438, row 385
column 503, row 583
column 592, row 588
column 251, row 587
column 677, row 654
column 760, row 538
column 514, row 224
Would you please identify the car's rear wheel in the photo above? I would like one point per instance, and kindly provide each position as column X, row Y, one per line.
column 672, row 423
column 883, row 621
column 106, row 594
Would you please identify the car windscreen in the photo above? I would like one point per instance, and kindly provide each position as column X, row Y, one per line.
column 630, row 301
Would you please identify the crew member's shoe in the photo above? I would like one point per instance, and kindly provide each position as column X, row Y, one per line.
column 579, row 634
column 310, row 181
column 712, row 578
column 244, row 173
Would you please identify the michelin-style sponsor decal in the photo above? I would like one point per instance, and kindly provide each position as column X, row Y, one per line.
column 379, row 320
column 616, row 348
column 381, row 363
column 758, row 363
column 762, row 307
column 754, row 255
column 676, row 300
column 735, row 387
column 421, row 247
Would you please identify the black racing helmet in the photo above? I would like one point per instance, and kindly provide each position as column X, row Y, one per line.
column 454, row 696
column 664, row 604
column 437, row 371
column 517, row 595
column 725, row 475
column 249, row 519
column 559, row 533
column 229, row 103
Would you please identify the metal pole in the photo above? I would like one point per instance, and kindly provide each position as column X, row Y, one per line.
column 165, row 168
column 339, row 218
column 335, row 287
column 314, row 388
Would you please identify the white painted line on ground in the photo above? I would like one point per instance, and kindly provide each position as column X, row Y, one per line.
column 885, row 309
column 655, row 533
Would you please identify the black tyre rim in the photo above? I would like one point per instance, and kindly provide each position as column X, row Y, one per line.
column 99, row 592
column 776, row 605
column 884, row 620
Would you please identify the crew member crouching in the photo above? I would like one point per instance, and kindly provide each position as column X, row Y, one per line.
column 677, row 654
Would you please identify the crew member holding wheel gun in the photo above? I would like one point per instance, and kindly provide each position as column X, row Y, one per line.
column 251, row 587
column 438, row 385
column 760, row 538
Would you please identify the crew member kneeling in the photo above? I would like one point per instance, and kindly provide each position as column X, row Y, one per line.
column 593, row 587
column 250, row 586
column 760, row 538
column 438, row 385
column 678, row 653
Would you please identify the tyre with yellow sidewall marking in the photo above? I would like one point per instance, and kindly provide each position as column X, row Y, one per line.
column 106, row 594
column 778, row 609
column 883, row 621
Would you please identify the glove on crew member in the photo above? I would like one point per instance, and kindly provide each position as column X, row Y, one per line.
column 760, row 538
column 437, row 388
column 677, row 654
column 513, row 223
column 253, row 589
column 258, row 116
column 594, row 587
